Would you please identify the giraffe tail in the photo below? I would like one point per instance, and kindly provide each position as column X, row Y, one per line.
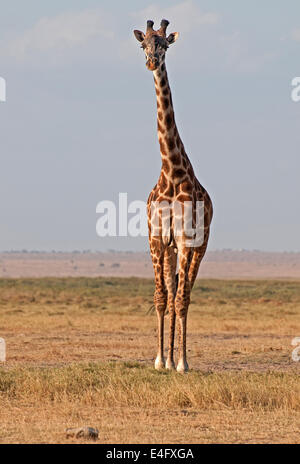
column 150, row 310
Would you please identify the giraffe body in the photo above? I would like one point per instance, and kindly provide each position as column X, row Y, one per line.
column 177, row 184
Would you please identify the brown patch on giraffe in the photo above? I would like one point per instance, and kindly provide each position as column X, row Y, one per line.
column 186, row 187
column 169, row 120
column 175, row 159
column 170, row 143
column 184, row 197
column 165, row 103
column 170, row 191
column 165, row 92
column 163, row 82
column 157, row 91
column 160, row 115
column 179, row 173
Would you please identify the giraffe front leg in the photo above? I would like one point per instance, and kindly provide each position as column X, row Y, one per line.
column 182, row 365
column 170, row 364
column 160, row 302
column 182, row 301
column 160, row 360
column 160, row 305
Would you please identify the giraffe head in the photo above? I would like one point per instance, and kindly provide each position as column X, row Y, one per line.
column 155, row 43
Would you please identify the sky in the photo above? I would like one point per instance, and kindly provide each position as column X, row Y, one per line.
column 79, row 122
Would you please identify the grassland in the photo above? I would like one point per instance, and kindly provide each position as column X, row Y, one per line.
column 80, row 351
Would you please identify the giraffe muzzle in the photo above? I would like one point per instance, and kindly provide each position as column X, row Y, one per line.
column 152, row 64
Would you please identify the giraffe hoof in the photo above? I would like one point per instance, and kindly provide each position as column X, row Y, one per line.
column 159, row 363
column 182, row 366
column 170, row 365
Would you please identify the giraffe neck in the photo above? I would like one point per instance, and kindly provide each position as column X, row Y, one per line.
column 175, row 163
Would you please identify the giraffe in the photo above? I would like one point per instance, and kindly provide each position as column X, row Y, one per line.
column 177, row 184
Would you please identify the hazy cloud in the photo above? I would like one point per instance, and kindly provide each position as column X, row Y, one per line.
column 182, row 16
column 59, row 33
column 81, row 35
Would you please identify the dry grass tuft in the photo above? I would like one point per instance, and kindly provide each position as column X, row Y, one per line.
column 133, row 385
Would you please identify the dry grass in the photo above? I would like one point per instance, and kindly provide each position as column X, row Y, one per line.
column 80, row 352
column 131, row 385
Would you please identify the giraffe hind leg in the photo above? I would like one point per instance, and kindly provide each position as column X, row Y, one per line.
column 182, row 302
column 195, row 263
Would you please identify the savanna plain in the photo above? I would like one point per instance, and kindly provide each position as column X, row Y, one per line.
column 80, row 351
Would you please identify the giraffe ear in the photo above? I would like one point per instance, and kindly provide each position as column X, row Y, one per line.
column 139, row 35
column 172, row 37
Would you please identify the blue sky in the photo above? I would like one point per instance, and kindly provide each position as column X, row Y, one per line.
column 79, row 123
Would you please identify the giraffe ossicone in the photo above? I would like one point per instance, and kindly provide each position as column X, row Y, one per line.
column 177, row 183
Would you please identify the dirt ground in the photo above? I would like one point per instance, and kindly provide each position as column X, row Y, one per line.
column 239, row 341
column 216, row 265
